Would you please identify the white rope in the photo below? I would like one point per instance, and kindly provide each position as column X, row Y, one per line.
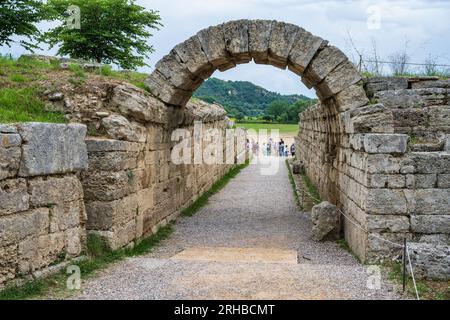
column 412, row 273
column 377, row 237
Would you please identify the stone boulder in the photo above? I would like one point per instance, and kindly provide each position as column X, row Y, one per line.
column 325, row 220
column 118, row 127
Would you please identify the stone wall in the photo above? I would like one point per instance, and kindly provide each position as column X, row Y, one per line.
column 132, row 188
column 384, row 163
column 42, row 213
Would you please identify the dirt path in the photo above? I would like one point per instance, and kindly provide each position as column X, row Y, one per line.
column 248, row 242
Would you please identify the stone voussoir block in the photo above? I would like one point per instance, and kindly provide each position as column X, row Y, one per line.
column 165, row 91
column 52, row 148
column 342, row 77
column 322, row 64
column 258, row 38
column 303, row 50
column 191, row 54
column 213, row 45
column 281, row 41
column 236, row 34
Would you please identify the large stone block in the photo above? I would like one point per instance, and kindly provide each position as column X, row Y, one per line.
column 177, row 73
column 259, row 37
column 280, row 44
column 192, row 55
column 322, row 64
column 118, row 127
column 368, row 119
column 50, row 191
column 17, row 227
column 342, row 77
column 430, row 260
column 9, row 162
column 325, row 220
column 112, row 161
column 213, row 45
column 107, row 216
column 136, row 103
column 108, row 186
column 14, row 196
column 110, row 145
column 8, row 263
column 236, row 34
column 376, row 84
column 67, row 216
column 385, row 201
column 52, row 148
column 351, row 98
column 431, row 223
column 428, row 201
column 303, row 50
column 380, row 143
column 165, row 91
column 390, row 223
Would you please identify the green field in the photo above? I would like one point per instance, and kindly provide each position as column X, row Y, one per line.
column 286, row 129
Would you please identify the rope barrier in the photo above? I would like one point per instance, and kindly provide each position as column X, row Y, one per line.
column 412, row 273
column 377, row 237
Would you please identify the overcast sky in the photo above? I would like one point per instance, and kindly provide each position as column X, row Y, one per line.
column 423, row 24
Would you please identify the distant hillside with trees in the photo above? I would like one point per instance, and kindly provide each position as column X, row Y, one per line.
column 243, row 99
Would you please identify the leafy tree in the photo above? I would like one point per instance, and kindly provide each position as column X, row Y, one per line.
column 18, row 17
column 112, row 31
column 277, row 108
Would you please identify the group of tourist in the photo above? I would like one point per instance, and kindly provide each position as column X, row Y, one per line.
column 280, row 148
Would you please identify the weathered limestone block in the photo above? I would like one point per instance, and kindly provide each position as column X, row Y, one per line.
column 430, row 84
column 6, row 128
column 109, row 185
column 191, row 54
column 50, row 248
column 369, row 119
column 120, row 236
column 382, row 180
column 110, row 145
column 391, row 223
column 236, row 34
column 325, row 220
column 421, row 181
column 112, row 161
column 418, row 98
column 171, row 67
column 447, row 143
column 118, row 127
column 426, row 162
column 136, row 103
column 378, row 250
column 385, row 201
column 17, row 227
column 430, row 260
column 428, row 201
column 13, row 196
column 431, row 223
column 49, row 191
column 435, row 238
column 443, row 181
column 212, row 41
column 303, row 50
column 74, row 241
column 67, row 216
column 165, row 91
column 280, row 44
column 8, row 263
column 351, row 98
column 52, row 148
column 322, row 64
column 342, row 77
column 258, row 38
column 110, row 215
column 9, row 162
column 380, row 143
column 376, row 84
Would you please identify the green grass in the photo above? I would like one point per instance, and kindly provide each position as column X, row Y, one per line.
column 311, row 188
column 216, row 187
column 294, row 187
column 99, row 256
column 427, row 289
column 133, row 77
column 288, row 129
column 24, row 104
column 345, row 246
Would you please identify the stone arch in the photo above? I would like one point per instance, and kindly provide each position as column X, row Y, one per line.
column 320, row 65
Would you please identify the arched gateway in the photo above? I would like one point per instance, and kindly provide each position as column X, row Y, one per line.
column 353, row 150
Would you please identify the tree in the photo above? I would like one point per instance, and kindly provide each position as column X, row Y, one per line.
column 111, row 31
column 18, row 18
column 277, row 108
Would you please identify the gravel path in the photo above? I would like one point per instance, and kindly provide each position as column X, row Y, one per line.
column 252, row 211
